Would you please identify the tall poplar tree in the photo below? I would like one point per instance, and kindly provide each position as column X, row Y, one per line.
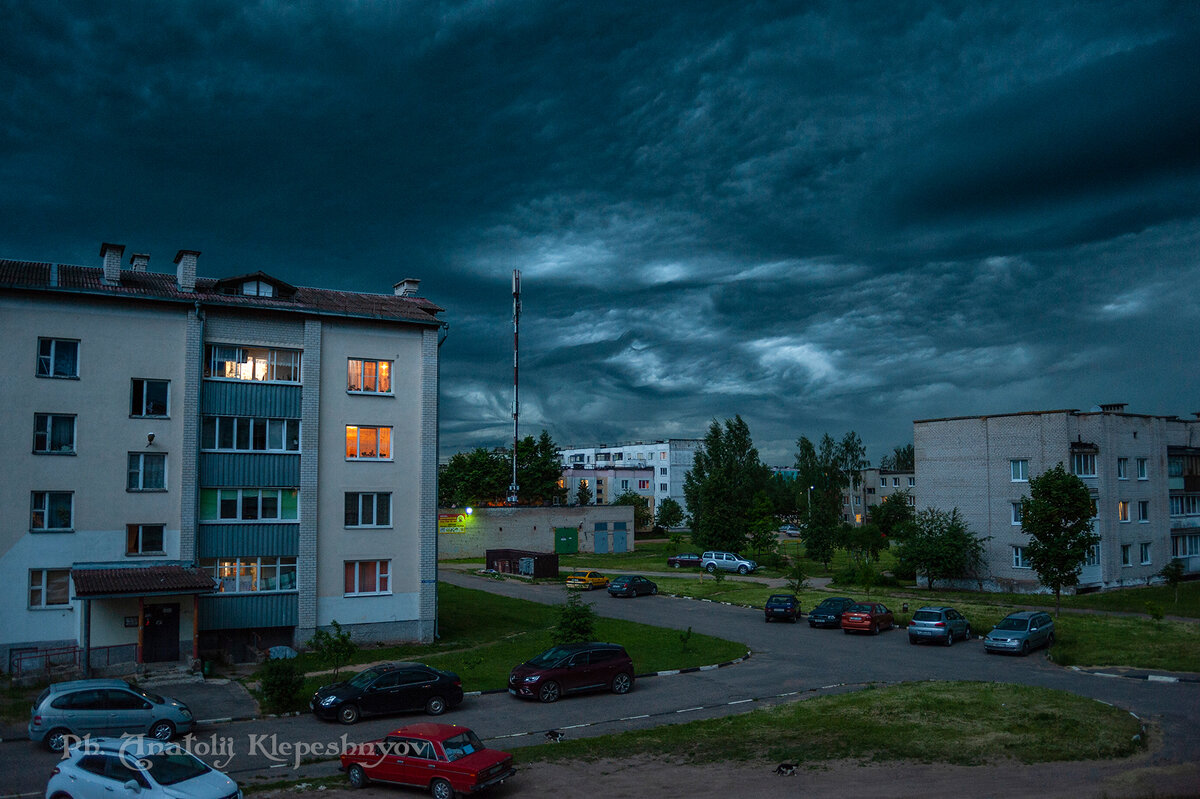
column 722, row 484
column 1057, row 515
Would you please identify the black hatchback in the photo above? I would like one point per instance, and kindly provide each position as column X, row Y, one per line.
column 829, row 612
column 389, row 688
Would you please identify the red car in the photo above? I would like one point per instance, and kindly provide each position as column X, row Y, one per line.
column 445, row 758
column 867, row 617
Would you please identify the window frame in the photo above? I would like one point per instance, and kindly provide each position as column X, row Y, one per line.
column 380, row 443
column 146, row 382
column 382, row 576
column 1122, row 468
column 51, row 358
column 1145, row 552
column 1126, row 555
column 44, row 429
column 1143, row 511
column 1080, row 461
column 257, row 567
column 247, row 355
column 140, row 471
column 135, row 535
column 1019, row 559
column 1123, row 511
column 1016, row 514
column 239, row 500
column 214, row 428
column 360, row 497
column 46, row 511
column 1143, row 468
column 44, row 586
column 388, row 371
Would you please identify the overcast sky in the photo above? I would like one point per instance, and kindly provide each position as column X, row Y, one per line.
column 823, row 217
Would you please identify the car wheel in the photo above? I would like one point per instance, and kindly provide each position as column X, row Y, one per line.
column 348, row 713
column 743, row 570
column 441, row 789
column 710, row 568
column 654, row 590
column 675, row 565
column 56, row 739
column 436, row 706
column 950, row 637
column 1024, row 648
column 358, row 777
column 967, row 634
column 622, row 683
column 1050, row 641
column 162, row 730
column 549, row 692
column 875, row 629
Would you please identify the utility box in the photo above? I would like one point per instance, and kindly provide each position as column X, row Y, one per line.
column 523, row 562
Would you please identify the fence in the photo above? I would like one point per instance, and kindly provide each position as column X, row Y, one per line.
column 68, row 660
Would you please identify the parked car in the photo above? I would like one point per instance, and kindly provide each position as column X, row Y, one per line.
column 726, row 561
column 867, row 617
column 104, row 707
column 690, row 559
column 586, row 580
column 389, row 688
column 631, row 585
column 829, row 612
column 782, row 606
column 940, row 624
column 1021, row 632
column 444, row 758
column 573, row 668
column 791, row 531
column 103, row 768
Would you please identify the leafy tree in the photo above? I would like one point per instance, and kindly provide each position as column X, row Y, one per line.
column 782, row 491
column 478, row 477
column 539, row 471
column 762, row 525
column 824, row 473
column 820, row 542
column 893, row 516
column 280, row 681
column 642, row 517
column 333, row 649
column 902, row 459
column 722, row 484
column 576, row 621
column 942, row 547
column 864, row 543
column 583, row 495
column 797, row 577
column 1173, row 573
column 669, row 514
column 1057, row 515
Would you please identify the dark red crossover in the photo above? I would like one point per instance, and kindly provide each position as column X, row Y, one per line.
column 573, row 668
column 446, row 759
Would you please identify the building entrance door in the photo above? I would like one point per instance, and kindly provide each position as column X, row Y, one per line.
column 160, row 639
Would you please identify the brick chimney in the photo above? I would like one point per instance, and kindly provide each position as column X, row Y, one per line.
column 112, row 254
column 185, row 275
column 406, row 287
column 139, row 261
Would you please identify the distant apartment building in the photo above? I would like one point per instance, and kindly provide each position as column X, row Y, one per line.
column 211, row 464
column 875, row 485
column 608, row 483
column 669, row 461
column 1142, row 471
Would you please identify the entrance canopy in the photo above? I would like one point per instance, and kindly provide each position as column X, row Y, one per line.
column 103, row 582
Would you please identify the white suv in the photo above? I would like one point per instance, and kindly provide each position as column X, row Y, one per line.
column 726, row 561
column 103, row 768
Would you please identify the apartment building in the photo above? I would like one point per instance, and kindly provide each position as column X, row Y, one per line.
column 1143, row 473
column 608, row 483
column 669, row 459
column 216, row 464
column 876, row 485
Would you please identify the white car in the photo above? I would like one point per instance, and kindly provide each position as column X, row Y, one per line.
column 726, row 561
column 146, row 768
column 790, row 530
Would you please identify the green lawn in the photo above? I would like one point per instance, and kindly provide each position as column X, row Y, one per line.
column 964, row 723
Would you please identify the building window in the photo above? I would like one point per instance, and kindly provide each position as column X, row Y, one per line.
column 251, row 575
column 912, row 481
column 1143, row 510
column 624, row 485
column 248, row 434
column 1145, row 548
column 1185, row 505
column 368, row 443
column 1019, row 559
column 1141, row 469
column 1125, row 561
column 148, row 397
column 223, row 362
column 248, row 504
column 369, row 377
column 912, row 501
column 53, row 434
column 147, row 471
column 1122, row 468
column 1185, row 546
column 257, row 288
column 367, row 577
column 1016, row 513
column 57, row 358
column 1123, row 510
column 368, row 510
column 1083, row 464
column 51, row 511
column 1020, row 470
column 49, row 588
column 895, row 482
column 644, row 485
column 1092, row 558
column 144, row 539
column 662, row 470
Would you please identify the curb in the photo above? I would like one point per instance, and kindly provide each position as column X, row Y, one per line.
column 1163, row 678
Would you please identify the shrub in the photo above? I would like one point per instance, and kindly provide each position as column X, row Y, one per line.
column 1155, row 610
column 333, row 649
column 280, row 681
column 576, row 621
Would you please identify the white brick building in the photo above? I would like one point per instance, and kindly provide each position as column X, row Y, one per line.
column 214, row 462
column 669, row 459
column 1142, row 471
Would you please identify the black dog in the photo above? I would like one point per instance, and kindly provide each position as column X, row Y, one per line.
column 785, row 769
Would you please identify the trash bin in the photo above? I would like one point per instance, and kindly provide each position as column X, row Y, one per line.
column 207, row 668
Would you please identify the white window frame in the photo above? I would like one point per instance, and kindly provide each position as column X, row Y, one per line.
column 140, row 386
column 135, row 481
column 1144, row 511
column 39, row 502
column 662, row 487
column 1142, row 469
column 379, row 443
column 1016, row 514
column 382, row 577
column 1122, row 468
column 44, row 426
column 239, row 497
column 47, row 361
column 135, row 534
column 1123, row 510
column 236, row 430
column 228, row 572
column 1092, row 556
column 39, row 580
column 1145, row 551
column 883, row 482
column 251, row 364
column 1019, row 470
column 1185, row 546
column 912, row 481
column 360, row 500
column 387, row 371
column 1083, row 464
column 1019, row 560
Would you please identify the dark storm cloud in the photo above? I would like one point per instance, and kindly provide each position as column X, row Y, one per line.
column 820, row 216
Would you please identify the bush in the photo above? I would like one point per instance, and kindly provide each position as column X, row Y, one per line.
column 280, row 682
column 576, row 621
column 333, row 649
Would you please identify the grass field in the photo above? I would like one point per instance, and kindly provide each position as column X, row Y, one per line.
column 965, row 723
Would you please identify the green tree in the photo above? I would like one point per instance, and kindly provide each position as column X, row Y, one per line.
column 669, row 514
column 642, row 517
column 583, row 495
column 721, row 486
column 478, row 477
column 1173, row 573
column 1057, row 515
column 864, row 543
column 893, row 516
column 576, row 621
column 824, row 473
column 763, row 540
column 942, row 547
column 820, row 542
column 539, row 471
column 280, row 681
column 334, row 649
column 902, row 459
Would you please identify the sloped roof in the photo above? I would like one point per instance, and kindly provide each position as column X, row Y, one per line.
column 141, row 581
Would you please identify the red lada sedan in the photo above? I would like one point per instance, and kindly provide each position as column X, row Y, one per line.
column 867, row 617
column 445, row 758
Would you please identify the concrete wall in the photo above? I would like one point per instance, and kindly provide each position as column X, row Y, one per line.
column 528, row 528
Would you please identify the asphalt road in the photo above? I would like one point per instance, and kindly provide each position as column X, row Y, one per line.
column 788, row 660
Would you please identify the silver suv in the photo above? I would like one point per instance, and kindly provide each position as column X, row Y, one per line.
column 938, row 623
column 727, row 562
column 103, row 707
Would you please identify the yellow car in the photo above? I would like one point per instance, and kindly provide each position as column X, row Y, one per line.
column 587, row 580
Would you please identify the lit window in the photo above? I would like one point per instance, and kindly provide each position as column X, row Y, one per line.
column 367, row 577
column 53, row 434
column 251, row 575
column 147, row 472
column 57, row 358
column 369, row 377
column 248, row 504
column 148, row 397
column 1143, row 510
column 368, row 510
column 1122, row 468
column 49, row 588
column 258, row 364
column 51, row 511
column 1123, row 511
column 1145, row 551
column 1020, row 561
column 644, row 485
column 143, row 539
column 1083, row 464
column 368, row 443
column 1141, row 469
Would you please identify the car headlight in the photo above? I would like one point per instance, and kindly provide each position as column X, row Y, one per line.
column 533, row 678
column 329, row 700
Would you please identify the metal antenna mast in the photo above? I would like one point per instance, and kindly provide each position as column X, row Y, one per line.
column 516, row 407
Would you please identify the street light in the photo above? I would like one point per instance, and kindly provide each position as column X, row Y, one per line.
column 810, row 490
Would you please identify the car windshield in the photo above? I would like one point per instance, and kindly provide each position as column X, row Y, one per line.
column 170, row 768
column 781, row 598
column 859, row 609
column 621, row 580
column 580, row 574
column 462, row 745
column 550, row 657
column 829, row 604
column 364, row 678
column 1013, row 624
column 927, row 615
